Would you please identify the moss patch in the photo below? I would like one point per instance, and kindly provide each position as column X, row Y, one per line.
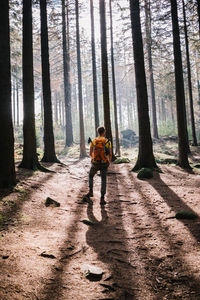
column 145, row 173
column 121, row 161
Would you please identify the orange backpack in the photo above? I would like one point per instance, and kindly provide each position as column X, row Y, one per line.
column 100, row 151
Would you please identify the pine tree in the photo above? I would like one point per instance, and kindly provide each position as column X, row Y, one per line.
column 81, row 120
column 49, row 146
column 94, row 69
column 104, row 66
column 30, row 158
column 183, row 144
column 145, row 155
column 7, row 166
column 67, row 84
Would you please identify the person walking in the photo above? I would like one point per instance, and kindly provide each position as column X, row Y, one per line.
column 101, row 156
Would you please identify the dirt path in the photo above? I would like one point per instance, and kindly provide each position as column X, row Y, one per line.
column 144, row 255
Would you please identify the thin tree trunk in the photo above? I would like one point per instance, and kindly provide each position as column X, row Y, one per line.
column 49, row 146
column 17, row 87
column 56, row 108
column 114, row 83
column 198, row 11
column 145, row 155
column 60, row 110
column 67, row 84
column 7, row 166
column 194, row 138
column 82, row 130
column 30, row 158
column 105, row 79
column 14, row 102
column 94, row 69
column 183, row 144
column 151, row 76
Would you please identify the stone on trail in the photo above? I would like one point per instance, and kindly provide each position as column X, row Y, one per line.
column 48, row 255
column 92, row 273
column 50, row 202
column 87, row 222
column 145, row 173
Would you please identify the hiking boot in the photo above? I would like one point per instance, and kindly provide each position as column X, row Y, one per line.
column 102, row 201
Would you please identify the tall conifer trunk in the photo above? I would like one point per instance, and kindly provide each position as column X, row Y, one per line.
column 194, row 138
column 151, row 76
column 94, row 69
column 7, row 166
column 198, row 11
column 67, row 83
column 183, row 144
column 145, row 155
column 30, row 159
column 104, row 66
column 80, row 94
column 49, row 146
column 114, row 83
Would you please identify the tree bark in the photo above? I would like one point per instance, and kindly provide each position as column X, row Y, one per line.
column 117, row 151
column 151, row 75
column 30, row 159
column 183, row 144
column 198, row 11
column 17, row 87
column 194, row 138
column 104, row 67
column 145, row 155
column 82, row 130
column 67, row 83
column 14, row 101
column 49, row 146
column 7, row 166
column 94, row 69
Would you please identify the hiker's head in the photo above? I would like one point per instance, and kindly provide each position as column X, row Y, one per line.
column 101, row 131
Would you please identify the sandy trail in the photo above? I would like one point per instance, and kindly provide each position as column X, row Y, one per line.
column 143, row 253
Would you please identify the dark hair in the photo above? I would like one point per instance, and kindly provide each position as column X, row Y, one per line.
column 101, row 130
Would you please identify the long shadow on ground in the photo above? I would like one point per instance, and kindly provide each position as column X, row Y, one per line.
column 165, row 264
column 176, row 204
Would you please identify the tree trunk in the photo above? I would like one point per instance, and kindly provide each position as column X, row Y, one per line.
column 194, row 138
column 67, row 84
column 117, row 151
column 17, row 87
column 145, row 155
column 30, row 159
column 49, row 146
column 151, row 76
column 94, row 69
column 82, row 130
column 198, row 11
column 14, row 102
column 104, row 66
column 7, row 166
column 183, row 144
column 56, row 107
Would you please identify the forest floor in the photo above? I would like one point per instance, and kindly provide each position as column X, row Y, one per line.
column 143, row 253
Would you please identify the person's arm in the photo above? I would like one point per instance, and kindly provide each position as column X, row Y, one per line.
column 91, row 149
column 110, row 154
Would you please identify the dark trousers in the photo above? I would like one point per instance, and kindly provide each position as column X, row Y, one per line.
column 103, row 172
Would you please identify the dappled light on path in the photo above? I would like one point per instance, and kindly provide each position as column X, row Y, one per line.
column 143, row 252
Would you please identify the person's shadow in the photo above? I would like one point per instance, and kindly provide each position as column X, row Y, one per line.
column 103, row 239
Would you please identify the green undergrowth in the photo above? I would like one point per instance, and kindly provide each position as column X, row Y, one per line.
column 121, row 160
column 166, row 161
column 145, row 173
